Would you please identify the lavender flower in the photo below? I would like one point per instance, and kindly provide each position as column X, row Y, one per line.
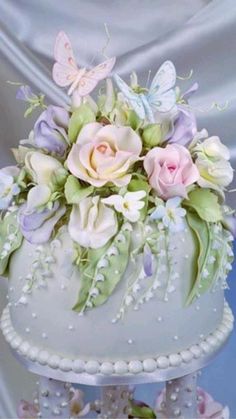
column 184, row 127
column 25, row 93
column 50, row 130
column 147, row 260
column 230, row 223
column 37, row 225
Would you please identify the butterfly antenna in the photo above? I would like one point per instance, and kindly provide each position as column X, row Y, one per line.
column 104, row 47
column 188, row 77
column 214, row 105
column 14, row 83
column 107, row 41
column 148, row 78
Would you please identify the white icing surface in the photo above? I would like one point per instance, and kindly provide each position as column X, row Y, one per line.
column 121, row 367
column 157, row 327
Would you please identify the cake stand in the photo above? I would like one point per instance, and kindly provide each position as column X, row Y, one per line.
column 180, row 377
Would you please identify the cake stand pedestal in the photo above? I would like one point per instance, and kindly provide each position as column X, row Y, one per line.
column 180, row 402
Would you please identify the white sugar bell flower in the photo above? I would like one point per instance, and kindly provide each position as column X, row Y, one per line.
column 129, row 205
column 170, row 214
column 8, row 186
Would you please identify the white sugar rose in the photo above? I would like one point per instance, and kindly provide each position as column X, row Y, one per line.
column 92, row 223
column 213, row 165
column 104, row 154
column 213, row 148
column 43, row 168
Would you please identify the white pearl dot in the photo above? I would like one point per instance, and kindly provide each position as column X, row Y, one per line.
column 27, row 329
column 71, row 327
column 173, row 397
column 176, row 337
column 44, row 335
column 130, row 341
column 159, row 319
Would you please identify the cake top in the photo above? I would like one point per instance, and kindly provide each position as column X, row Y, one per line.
column 132, row 157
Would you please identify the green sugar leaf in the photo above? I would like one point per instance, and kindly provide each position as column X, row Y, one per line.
column 74, row 192
column 103, row 271
column 87, row 275
column 133, row 120
column 205, row 204
column 141, row 411
column 10, row 239
column 81, row 116
column 207, row 256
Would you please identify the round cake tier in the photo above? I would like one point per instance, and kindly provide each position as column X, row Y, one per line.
column 118, row 336
column 92, row 372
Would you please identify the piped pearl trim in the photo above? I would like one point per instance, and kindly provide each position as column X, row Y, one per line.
column 205, row 347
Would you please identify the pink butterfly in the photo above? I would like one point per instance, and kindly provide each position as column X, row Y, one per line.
column 66, row 72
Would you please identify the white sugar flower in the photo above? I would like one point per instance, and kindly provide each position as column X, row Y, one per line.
column 8, row 186
column 129, row 205
column 171, row 214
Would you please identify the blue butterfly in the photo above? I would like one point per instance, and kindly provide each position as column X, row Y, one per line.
column 160, row 97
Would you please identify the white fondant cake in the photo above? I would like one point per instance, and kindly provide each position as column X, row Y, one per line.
column 159, row 325
column 113, row 233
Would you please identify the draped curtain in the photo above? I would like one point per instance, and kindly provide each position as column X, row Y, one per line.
column 194, row 34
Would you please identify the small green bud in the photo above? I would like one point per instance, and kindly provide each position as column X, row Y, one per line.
column 152, row 135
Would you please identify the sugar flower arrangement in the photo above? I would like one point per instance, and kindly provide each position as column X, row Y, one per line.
column 133, row 156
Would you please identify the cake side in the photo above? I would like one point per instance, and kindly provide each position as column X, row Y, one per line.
column 157, row 322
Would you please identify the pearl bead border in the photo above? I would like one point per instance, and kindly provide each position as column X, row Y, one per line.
column 207, row 346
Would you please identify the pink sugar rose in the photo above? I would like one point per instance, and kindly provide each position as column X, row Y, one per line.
column 170, row 170
column 104, row 154
column 27, row 410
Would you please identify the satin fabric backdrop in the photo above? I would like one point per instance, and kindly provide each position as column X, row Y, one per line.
column 198, row 34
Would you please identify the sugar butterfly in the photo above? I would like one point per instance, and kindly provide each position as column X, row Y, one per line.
column 160, row 97
column 66, row 72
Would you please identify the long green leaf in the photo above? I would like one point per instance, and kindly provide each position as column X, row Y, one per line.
column 81, row 116
column 94, row 291
column 10, row 239
column 201, row 234
column 211, row 255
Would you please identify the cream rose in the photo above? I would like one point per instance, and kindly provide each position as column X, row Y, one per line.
column 104, row 154
column 43, row 169
column 92, row 223
column 213, row 165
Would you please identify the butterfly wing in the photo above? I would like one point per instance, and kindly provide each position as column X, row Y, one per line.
column 161, row 96
column 162, row 103
column 164, row 79
column 65, row 69
column 133, row 98
column 91, row 78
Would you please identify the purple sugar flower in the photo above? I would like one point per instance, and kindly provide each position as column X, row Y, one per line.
column 184, row 127
column 147, row 260
column 50, row 130
column 25, row 93
column 230, row 223
column 37, row 226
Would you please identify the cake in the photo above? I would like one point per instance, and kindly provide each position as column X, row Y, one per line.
column 115, row 235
